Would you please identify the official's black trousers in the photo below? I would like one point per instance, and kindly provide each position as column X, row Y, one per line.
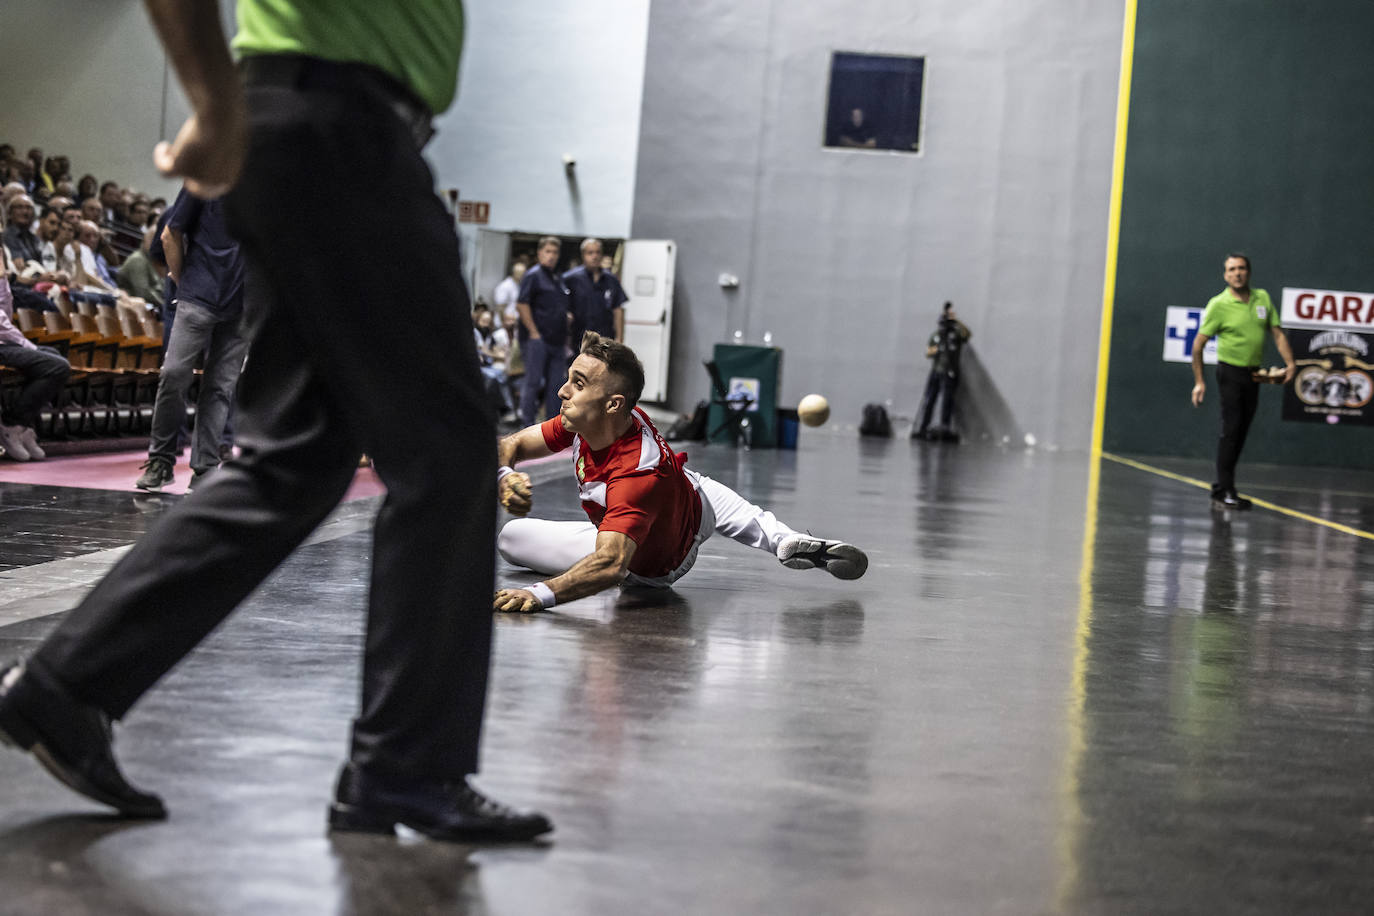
column 361, row 341
column 1239, row 395
column 940, row 386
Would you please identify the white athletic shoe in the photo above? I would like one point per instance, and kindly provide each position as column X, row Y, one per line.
column 29, row 437
column 841, row 560
column 12, row 441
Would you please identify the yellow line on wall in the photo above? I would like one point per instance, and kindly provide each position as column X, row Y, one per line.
column 1072, row 820
column 1262, row 503
column 1104, row 339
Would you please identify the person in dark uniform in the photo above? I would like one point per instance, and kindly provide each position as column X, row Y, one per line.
column 944, row 348
column 329, row 92
column 598, row 300
column 544, row 306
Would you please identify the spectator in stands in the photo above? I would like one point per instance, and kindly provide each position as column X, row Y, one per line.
column 40, row 177
column 60, row 204
column 515, row 361
column 507, row 292
column 544, row 305
column 6, row 152
column 597, row 298
column 25, row 176
column 139, row 211
column 11, row 190
column 109, row 200
column 493, row 346
column 65, row 248
column 44, row 371
column 65, row 188
column 50, row 252
column 57, row 169
column 207, row 265
column 97, row 268
column 92, row 210
column 139, row 276
column 19, row 237
column 87, row 188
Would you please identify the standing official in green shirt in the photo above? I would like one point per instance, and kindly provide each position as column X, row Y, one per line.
column 1239, row 318
column 326, row 91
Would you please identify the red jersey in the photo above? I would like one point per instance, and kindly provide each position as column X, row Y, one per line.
column 635, row 486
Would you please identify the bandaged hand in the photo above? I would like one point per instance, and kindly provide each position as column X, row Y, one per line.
column 514, row 493
column 516, row 600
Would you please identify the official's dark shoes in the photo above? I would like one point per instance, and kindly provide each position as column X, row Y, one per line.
column 72, row 740
column 452, row 811
column 1229, row 499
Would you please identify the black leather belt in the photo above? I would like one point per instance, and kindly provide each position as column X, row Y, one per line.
column 302, row 72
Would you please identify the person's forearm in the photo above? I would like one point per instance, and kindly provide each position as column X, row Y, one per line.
column 171, row 247
column 1197, row 364
column 620, row 325
column 191, row 32
column 594, row 573
column 527, row 318
column 1285, row 349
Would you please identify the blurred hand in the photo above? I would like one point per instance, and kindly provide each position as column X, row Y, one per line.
column 1289, row 371
column 1198, row 391
column 516, row 600
column 208, row 151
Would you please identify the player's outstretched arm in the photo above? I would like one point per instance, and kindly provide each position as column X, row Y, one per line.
column 1199, row 386
column 514, row 489
column 597, row 571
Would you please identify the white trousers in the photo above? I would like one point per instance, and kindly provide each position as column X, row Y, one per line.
column 552, row 548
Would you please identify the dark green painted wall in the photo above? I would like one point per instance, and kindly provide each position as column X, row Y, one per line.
column 1251, row 128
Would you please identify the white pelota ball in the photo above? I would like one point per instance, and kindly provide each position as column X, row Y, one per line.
column 813, row 410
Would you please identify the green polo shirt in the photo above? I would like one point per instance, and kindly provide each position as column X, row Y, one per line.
column 1239, row 327
column 416, row 41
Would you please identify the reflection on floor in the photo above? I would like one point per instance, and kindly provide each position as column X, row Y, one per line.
column 1033, row 703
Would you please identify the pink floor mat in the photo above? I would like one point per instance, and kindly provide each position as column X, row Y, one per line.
column 119, row 470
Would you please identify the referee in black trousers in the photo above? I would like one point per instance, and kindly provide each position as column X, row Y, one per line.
column 326, row 382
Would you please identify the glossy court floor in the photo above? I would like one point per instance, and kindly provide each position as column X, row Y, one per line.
column 1059, row 689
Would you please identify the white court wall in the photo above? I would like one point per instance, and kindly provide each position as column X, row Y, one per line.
column 846, row 256
column 85, row 79
column 539, row 80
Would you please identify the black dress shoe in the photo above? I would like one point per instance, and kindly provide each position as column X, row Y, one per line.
column 1231, row 500
column 72, row 740
column 444, row 811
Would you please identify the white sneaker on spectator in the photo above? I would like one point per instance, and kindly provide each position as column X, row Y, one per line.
column 11, row 440
column 29, row 437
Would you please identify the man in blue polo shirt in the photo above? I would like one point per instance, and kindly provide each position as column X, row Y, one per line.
column 205, row 263
column 544, row 304
column 597, row 297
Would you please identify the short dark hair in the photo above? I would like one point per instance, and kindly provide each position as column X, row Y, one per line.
column 621, row 363
column 551, row 240
column 109, row 184
column 1237, row 254
column 948, row 306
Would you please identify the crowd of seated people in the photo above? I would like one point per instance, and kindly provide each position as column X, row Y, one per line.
column 66, row 242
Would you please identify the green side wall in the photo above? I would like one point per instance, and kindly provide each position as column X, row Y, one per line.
column 1252, row 129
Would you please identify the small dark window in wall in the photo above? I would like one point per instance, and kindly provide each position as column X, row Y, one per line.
column 875, row 102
